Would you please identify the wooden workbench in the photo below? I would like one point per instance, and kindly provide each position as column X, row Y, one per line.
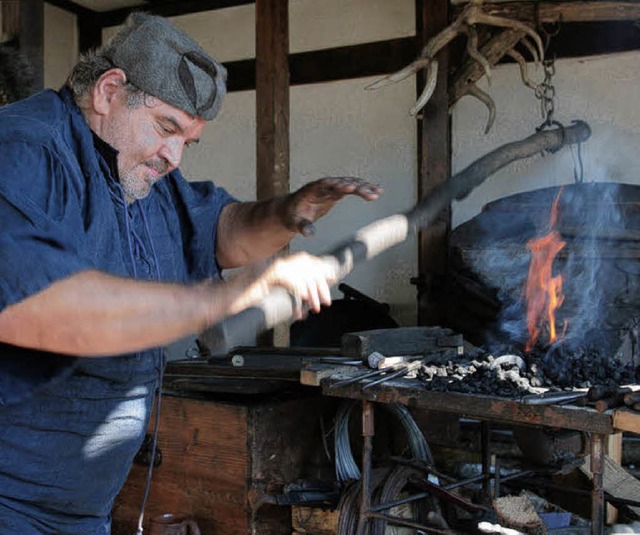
column 415, row 394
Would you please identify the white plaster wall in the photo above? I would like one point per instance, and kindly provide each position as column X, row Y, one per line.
column 603, row 91
column 315, row 25
column 60, row 45
column 340, row 129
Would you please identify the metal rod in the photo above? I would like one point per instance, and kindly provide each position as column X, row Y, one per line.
column 395, row 503
column 408, row 523
column 357, row 378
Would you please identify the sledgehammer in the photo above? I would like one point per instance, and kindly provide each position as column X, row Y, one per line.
column 371, row 240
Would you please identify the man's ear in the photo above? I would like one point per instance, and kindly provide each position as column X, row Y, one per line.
column 105, row 90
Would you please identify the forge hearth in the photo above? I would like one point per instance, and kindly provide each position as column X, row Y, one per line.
column 483, row 292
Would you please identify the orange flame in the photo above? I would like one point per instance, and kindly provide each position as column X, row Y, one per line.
column 543, row 291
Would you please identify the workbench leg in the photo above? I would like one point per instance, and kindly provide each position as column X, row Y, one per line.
column 597, row 494
column 485, row 432
column 367, row 449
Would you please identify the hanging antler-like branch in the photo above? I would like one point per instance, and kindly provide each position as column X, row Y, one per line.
column 514, row 33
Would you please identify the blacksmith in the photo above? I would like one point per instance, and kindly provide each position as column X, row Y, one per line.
column 107, row 253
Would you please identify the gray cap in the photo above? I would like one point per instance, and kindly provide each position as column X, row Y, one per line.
column 165, row 62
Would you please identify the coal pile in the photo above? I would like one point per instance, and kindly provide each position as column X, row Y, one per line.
column 509, row 372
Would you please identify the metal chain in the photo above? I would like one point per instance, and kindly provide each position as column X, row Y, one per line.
column 546, row 93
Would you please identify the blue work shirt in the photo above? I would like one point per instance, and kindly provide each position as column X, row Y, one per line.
column 70, row 427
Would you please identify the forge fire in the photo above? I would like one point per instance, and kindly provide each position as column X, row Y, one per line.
column 543, row 287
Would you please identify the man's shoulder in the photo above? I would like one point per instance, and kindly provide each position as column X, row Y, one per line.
column 40, row 118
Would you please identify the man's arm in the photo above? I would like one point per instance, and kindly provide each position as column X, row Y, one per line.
column 95, row 314
column 248, row 232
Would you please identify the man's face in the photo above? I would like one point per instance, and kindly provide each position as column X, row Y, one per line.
column 150, row 138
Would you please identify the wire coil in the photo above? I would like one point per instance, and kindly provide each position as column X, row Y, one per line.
column 346, row 467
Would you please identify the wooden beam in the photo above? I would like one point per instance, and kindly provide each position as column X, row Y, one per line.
column 581, row 39
column 89, row 31
column 32, row 38
column 71, row 7
column 10, row 18
column 170, row 9
column 434, row 163
column 341, row 63
column 272, row 112
column 272, row 98
column 551, row 12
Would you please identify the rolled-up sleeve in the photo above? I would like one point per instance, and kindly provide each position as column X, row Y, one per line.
column 198, row 206
column 41, row 221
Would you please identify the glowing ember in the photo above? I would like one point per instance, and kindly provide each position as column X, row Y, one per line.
column 543, row 291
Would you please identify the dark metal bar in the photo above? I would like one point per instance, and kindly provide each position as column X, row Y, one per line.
column 395, row 503
column 597, row 494
column 358, row 378
column 408, row 523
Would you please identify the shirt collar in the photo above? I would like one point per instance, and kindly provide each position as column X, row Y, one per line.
column 109, row 154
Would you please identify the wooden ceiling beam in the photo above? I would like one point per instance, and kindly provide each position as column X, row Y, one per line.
column 550, row 12
column 170, row 9
column 341, row 63
column 71, row 7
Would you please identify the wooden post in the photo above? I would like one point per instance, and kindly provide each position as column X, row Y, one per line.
column 434, row 154
column 272, row 110
column 10, row 18
column 89, row 31
column 32, row 38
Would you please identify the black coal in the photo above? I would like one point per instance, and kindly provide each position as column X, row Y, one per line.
column 556, row 368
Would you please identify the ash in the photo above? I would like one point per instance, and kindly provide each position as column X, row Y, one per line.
column 509, row 372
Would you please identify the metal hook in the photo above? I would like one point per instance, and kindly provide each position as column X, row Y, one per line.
column 549, row 29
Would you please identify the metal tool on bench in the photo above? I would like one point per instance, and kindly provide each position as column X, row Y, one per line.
column 408, row 347
column 381, row 375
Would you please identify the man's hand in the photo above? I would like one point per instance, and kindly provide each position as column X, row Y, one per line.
column 306, row 277
column 315, row 199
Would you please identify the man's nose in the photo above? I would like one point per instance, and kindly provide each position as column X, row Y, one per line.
column 172, row 152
